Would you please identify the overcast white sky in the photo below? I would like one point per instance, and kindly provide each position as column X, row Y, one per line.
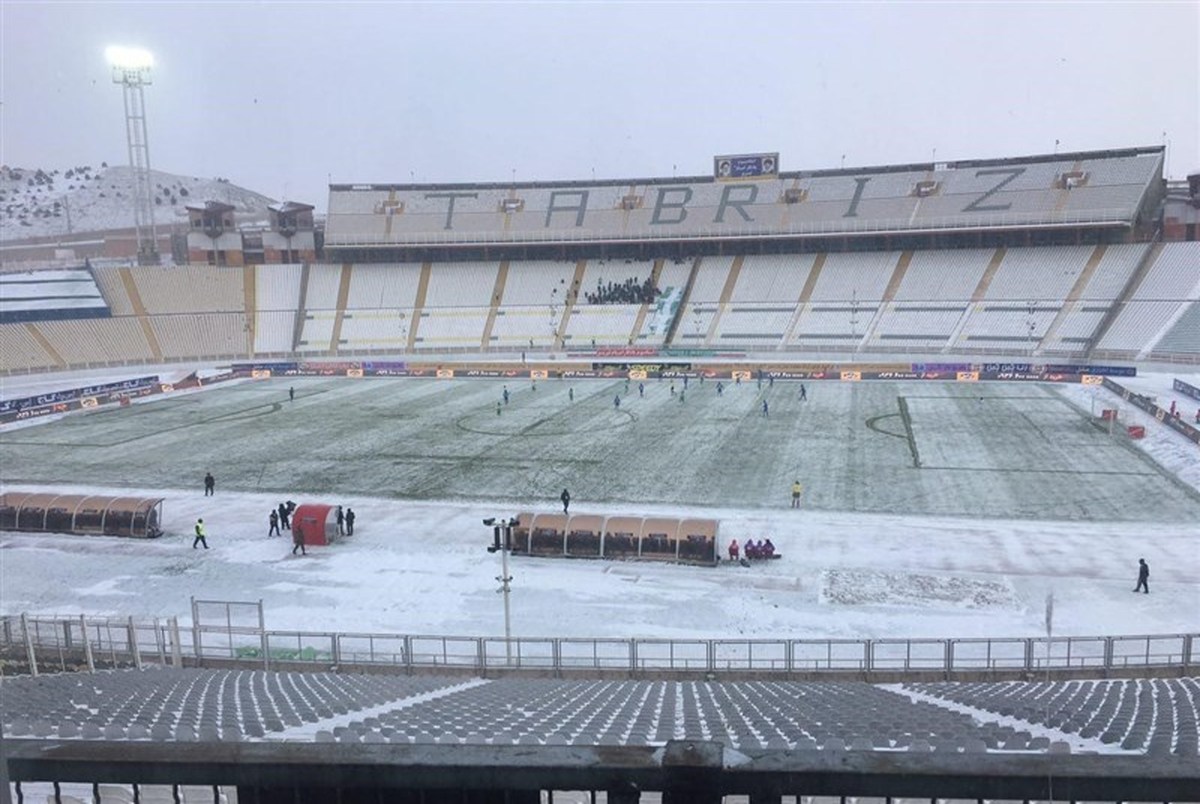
column 281, row 97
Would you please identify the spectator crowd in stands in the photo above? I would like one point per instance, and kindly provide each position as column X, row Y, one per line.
column 631, row 291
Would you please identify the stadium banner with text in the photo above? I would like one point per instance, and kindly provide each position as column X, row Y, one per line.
column 381, row 367
column 649, row 368
column 746, row 166
column 249, row 369
column 99, row 395
column 607, row 374
column 1145, row 404
column 1187, row 389
column 625, row 351
column 12, row 405
column 1027, row 368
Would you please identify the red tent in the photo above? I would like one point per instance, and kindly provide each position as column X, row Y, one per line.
column 317, row 521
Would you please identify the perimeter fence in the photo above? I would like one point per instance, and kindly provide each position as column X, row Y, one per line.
column 224, row 632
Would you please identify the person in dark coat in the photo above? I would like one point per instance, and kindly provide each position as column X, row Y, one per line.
column 291, row 395
column 566, row 500
column 349, row 521
column 274, row 520
column 284, row 522
column 341, row 521
column 210, row 483
column 1143, row 584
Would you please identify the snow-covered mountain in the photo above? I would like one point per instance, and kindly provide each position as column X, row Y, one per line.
column 39, row 202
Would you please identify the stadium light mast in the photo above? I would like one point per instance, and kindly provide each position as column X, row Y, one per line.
column 131, row 69
column 502, row 529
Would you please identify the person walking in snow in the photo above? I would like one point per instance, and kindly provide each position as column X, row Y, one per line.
column 766, row 409
column 349, row 521
column 803, row 393
column 200, row 536
column 797, row 490
column 210, row 484
column 283, row 517
column 291, row 395
column 566, row 500
column 617, row 401
column 298, row 542
column 642, row 394
column 1143, row 584
column 274, row 520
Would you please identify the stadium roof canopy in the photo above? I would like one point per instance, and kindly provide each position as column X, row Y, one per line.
column 1101, row 189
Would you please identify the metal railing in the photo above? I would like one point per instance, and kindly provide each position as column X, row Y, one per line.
column 72, row 642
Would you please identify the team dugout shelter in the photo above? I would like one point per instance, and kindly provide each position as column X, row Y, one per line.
column 86, row 514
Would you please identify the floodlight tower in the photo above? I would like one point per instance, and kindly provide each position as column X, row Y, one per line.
column 131, row 69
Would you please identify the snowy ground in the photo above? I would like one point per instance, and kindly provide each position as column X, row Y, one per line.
column 1017, row 495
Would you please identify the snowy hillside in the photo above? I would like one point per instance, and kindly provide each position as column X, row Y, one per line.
column 39, row 202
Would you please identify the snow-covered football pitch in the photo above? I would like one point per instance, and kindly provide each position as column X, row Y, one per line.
column 930, row 509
